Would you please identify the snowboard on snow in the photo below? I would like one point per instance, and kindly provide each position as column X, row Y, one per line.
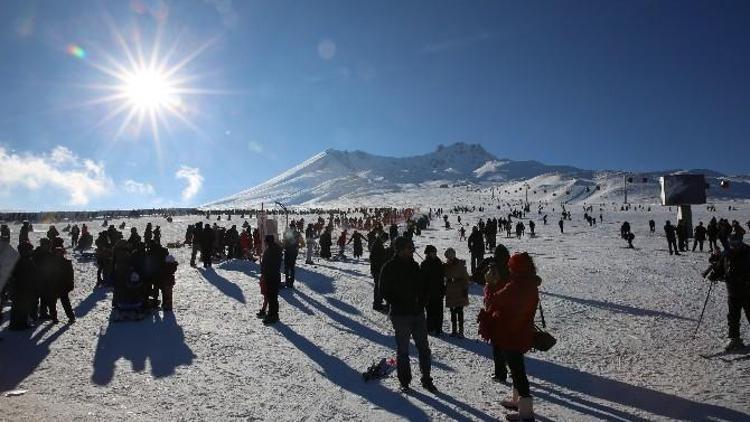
column 380, row 369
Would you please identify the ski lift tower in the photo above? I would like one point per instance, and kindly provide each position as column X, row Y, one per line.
column 683, row 190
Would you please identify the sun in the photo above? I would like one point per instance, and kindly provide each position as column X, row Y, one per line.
column 149, row 90
column 145, row 86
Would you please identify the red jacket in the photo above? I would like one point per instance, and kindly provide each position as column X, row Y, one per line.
column 512, row 308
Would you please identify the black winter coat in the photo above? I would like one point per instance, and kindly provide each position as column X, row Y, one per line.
column 403, row 287
column 434, row 273
column 377, row 258
column 270, row 266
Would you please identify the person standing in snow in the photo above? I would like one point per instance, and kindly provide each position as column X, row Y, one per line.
column 476, row 247
column 433, row 271
column 456, row 291
column 270, row 272
column 207, row 245
column 561, row 223
column 511, row 310
column 733, row 267
column 378, row 257
column 699, row 236
column 291, row 250
column 496, row 277
column 197, row 234
column 406, row 291
column 310, row 242
column 671, row 233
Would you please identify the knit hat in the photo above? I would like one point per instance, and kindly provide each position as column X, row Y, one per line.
column 521, row 264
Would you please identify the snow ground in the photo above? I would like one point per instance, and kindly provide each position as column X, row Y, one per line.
column 624, row 320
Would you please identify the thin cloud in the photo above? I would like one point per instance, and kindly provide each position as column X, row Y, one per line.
column 81, row 179
column 194, row 181
column 255, row 147
column 137, row 188
column 225, row 9
column 454, row 43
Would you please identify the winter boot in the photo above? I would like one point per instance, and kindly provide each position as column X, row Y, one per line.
column 734, row 343
column 460, row 329
column 510, row 402
column 525, row 411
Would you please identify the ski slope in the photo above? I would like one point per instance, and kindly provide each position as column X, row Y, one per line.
column 624, row 320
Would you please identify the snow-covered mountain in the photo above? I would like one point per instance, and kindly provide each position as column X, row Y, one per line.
column 341, row 178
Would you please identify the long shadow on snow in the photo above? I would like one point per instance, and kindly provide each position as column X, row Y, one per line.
column 346, row 377
column 87, row 304
column 317, row 282
column 645, row 399
column 241, row 265
column 225, row 286
column 20, row 353
column 618, row 308
column 344, row 270
column 158, row 339
column 350, row 379
column 362, row 330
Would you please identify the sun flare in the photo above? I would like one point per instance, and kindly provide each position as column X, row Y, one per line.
column 150, row 90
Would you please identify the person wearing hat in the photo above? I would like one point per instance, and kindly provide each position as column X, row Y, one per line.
column 512, row 310
column 23, row 233
column 270, row 267
column 406, row 291
column 456, row 291
column 433, row 271
column 734, row 270
column 63, row 285
column 167, row 282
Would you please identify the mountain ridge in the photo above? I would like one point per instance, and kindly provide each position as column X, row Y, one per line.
column 335, row 175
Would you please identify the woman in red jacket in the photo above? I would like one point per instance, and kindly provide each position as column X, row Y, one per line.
column 512, row 310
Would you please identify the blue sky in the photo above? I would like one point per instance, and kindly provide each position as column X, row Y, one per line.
column 639, row 85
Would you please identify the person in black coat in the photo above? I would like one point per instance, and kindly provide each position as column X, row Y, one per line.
column 407, row 293
column 671, row 232
column 476, row 247
column 377, row 259
column 433, row 271
column 23, row 288
column 62, row 285
column 207, row 245
column 270, row 266
column 699, row 236
column 291, row 250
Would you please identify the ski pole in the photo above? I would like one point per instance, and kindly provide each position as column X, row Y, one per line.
column 704, row 308
column 541, row 314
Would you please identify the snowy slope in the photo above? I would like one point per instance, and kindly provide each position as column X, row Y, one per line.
column 624, row 320
column 335, row 178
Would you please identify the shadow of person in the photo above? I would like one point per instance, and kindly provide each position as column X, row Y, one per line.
column 160, row 340
column 613, row 307
column 87, row 304
column 361, row 330
column 343, row 375
column 20, row 354
column 317, row 282
column 590, row 385
column 244, row 266
column 225, row 286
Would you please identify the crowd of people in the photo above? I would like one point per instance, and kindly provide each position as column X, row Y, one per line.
column 141, row 273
